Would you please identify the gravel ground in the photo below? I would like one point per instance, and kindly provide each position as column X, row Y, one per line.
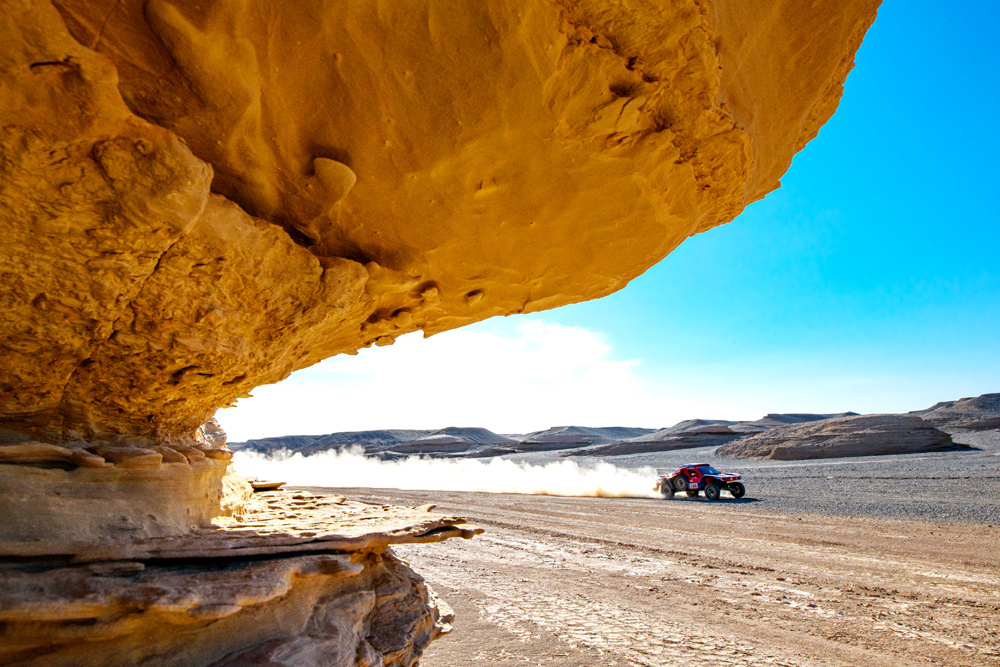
column 634, row 582
column 876, row 561
column 948, row 486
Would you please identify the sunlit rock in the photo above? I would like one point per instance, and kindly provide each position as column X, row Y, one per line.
column 203, row 197
column 197, row 198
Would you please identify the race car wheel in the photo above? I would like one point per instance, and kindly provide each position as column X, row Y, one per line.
column 737, row 489
column 692, row 493
column 712, row 491
column 667, row 489
column 680, row 483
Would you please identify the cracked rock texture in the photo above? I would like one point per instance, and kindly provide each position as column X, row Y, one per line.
column 201, row 197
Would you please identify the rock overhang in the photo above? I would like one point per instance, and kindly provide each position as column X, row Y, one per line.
column 243, row 190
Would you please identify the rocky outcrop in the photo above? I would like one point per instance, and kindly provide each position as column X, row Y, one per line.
column 118, row 502
column 775, row 419
column 566, row 437
column 981, row 413
column 199, row 198
column 301, row 580
column 459, row 441
column 859, row 435
column 686, row 435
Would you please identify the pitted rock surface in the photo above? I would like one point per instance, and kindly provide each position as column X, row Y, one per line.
column 201, row 197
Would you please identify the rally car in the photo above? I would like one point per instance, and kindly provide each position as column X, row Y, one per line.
column 695, row 477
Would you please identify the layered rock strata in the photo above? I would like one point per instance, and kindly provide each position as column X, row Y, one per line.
column 665, row 440
column 300, row 580
column 979, row 413
column 82, row 492
column 859, row 435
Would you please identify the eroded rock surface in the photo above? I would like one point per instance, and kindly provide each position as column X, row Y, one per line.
column 859, row 435
column 980, row 413
column 201, row 197
column 322, row 588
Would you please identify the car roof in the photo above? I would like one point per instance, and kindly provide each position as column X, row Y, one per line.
column 697, row 465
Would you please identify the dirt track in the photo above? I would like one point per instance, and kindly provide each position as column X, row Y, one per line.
column 594, row 581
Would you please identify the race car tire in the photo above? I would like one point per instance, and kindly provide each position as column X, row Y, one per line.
column 680, row 483
column 692, row 493
column 667, row 489
column 737, row 489
column 712, row 491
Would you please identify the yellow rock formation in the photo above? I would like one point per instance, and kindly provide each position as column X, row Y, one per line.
column 201, row 197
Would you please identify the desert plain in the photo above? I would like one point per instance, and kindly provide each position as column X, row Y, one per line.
column 874, row 560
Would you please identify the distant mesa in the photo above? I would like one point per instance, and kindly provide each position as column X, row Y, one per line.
column 855, row 435
column 685, row 435
column 966, row 414
column 391, row 443
column 563, row 437
column 692, row 433
column 371, row 441
column 772, row 420
column 777, row 436
column 456, row 440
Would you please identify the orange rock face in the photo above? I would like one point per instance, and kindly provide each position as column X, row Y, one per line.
column 200, row 197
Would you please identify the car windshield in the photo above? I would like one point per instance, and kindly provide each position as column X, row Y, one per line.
column 708, row 470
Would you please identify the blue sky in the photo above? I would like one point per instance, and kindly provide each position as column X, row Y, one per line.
column 880, row 253
column 870, row 281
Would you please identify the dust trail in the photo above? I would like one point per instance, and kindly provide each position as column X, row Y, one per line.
column 350, row 467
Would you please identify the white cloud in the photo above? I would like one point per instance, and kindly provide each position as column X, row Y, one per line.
column 515, row 375
column 511, row 379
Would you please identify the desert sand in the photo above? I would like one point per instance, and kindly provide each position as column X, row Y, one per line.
column 601, row 582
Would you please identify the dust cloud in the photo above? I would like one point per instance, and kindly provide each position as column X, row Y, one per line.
column 351, row 468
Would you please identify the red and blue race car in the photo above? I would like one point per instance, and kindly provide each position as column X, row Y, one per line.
column 695, row 477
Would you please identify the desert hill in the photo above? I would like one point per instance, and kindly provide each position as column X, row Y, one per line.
column 372, row 441
column 457, row 440
column 969, row 414
column 561, row 437
column 856, row 435
column 772, row 420
column 775, row 435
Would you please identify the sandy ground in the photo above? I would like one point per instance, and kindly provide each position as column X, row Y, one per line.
column 595, row 581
